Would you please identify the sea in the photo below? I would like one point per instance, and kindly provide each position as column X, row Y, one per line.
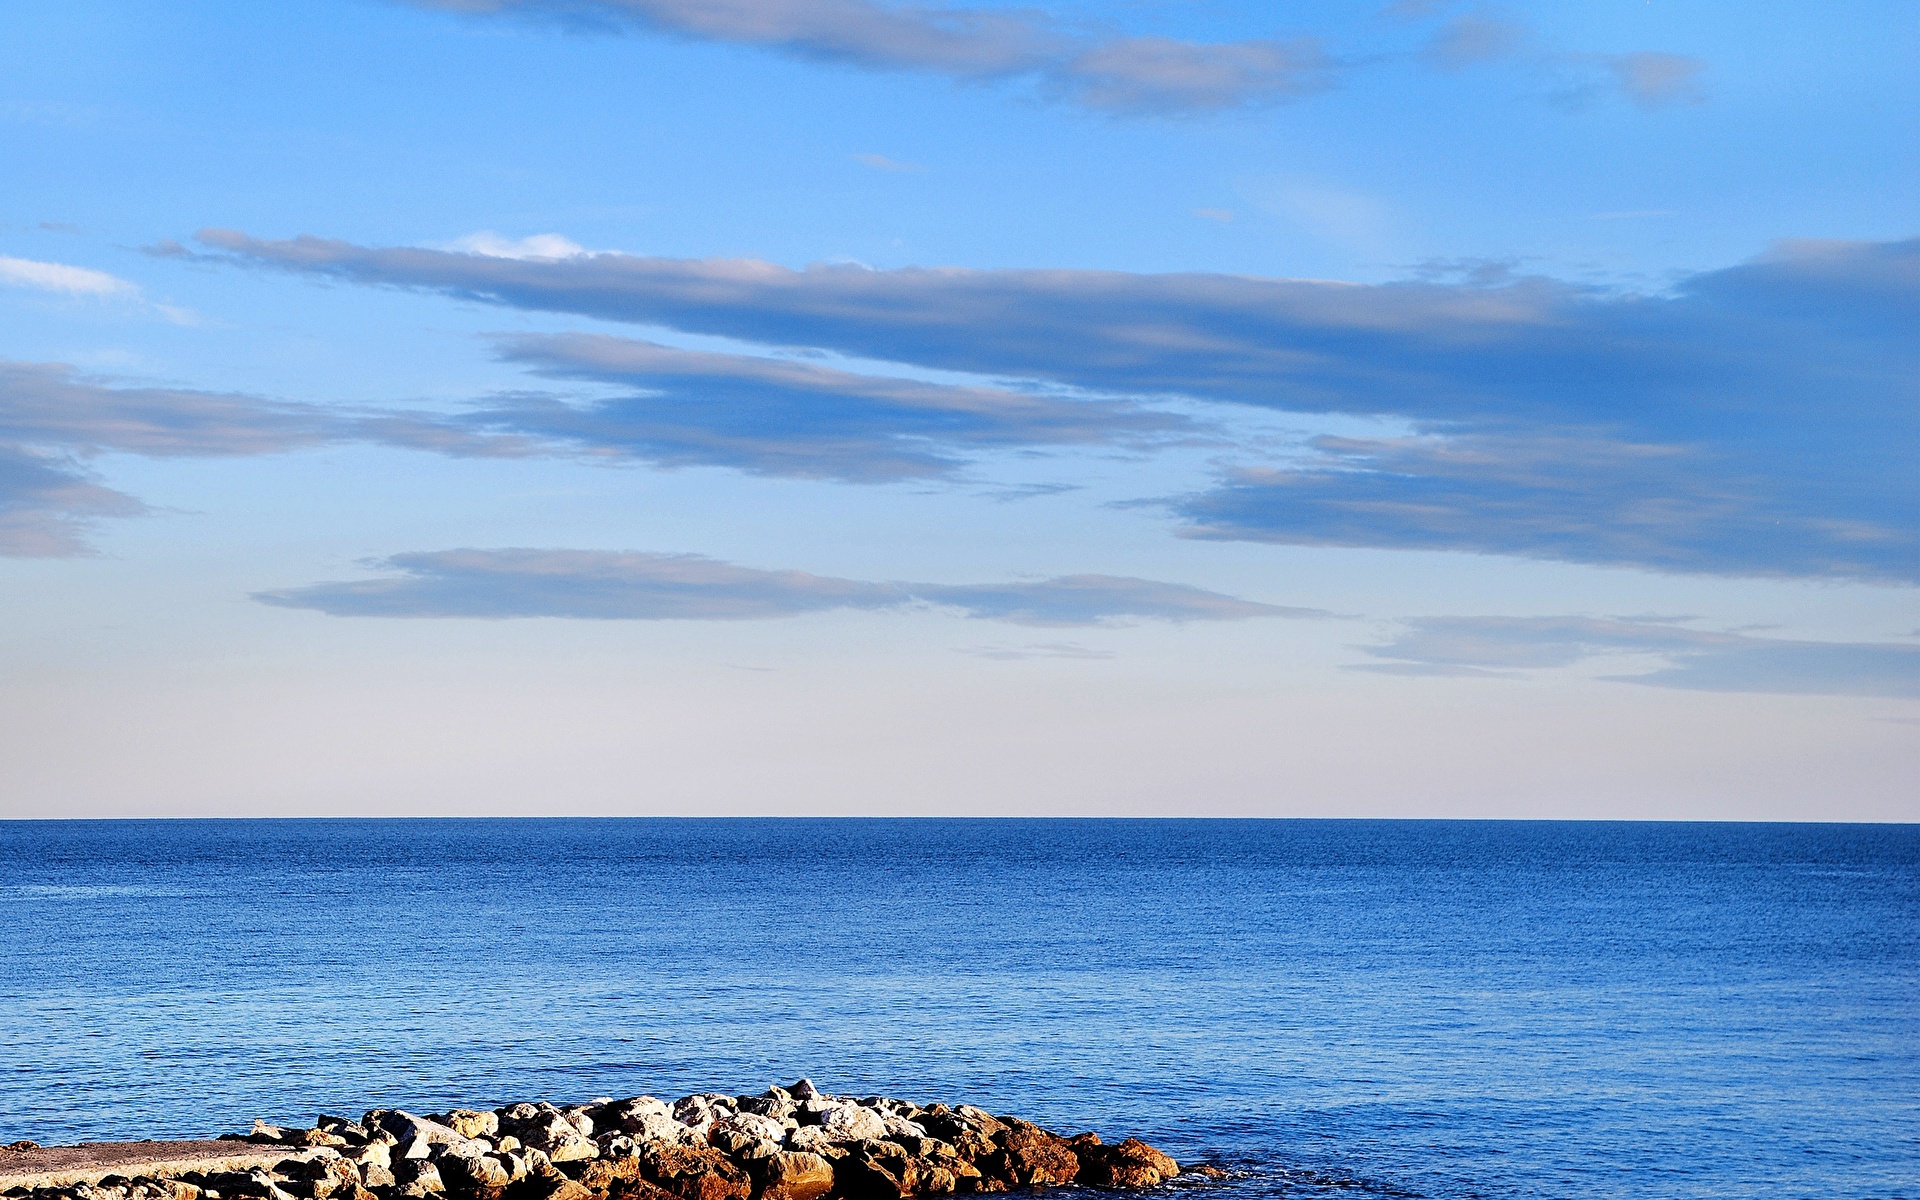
column 1325, row 1008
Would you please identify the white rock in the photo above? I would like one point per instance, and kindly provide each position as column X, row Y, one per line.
column 851, row 1122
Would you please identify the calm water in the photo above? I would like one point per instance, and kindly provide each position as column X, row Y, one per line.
column 1445, row 1009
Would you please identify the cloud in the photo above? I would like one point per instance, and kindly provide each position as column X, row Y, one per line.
column 1760, row 419
column 1472, row 39
column 1144, row 75
column 63, row 279
column 47, row 503
column 52, row 419
column 539, row 245
column 780, row 417
column 1129, row 75
column 609, row 585
column 1653, row 79
column 1648, row 78
column 1695, row 660
column 1094, row 599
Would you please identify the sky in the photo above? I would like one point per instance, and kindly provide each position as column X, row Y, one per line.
column 1078, row 407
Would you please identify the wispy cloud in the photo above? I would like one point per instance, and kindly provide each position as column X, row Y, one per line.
column 1695, row 659
column 640, row 586
column 1113, row 73
column 1650, row 79
column 780, row 417
column 1760, row 419
column 881, row 162
column 539, row 245
column 63, row 279
column 53, row 419
column 83, row 283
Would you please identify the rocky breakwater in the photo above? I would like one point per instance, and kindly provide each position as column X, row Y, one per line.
column 793, row 1143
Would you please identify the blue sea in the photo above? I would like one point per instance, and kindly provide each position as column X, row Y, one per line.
column 1441, row 1009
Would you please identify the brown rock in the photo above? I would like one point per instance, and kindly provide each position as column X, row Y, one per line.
column 695, row 1173
column 1131, row 1164
column 471, row 1123
column 793, row 1175
column 1029, row 1156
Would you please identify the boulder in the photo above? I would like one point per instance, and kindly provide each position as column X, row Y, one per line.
column 811, row 1138
column 853, row 1122
column 738, row 1130
column 470, row 1175
column 1130, row 1164
column 418, row 1177
column 630, row 1116
column 327, row 1176
column 803, row 1090
column 792, row 1175
column 1028, row 1156
column 472, row 1123
column 369, row 1154
column 695, row 1173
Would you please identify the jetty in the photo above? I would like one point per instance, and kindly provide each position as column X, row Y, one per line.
column 793, row 1143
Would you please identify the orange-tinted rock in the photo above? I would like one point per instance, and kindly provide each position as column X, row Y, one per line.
column 793, row 1175
column 1029, row 1156
column 1131, row 1164
column 695, row 1173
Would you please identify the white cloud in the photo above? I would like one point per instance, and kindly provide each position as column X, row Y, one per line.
column 59, row 277
column 539, row 245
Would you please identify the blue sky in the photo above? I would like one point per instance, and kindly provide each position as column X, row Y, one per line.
column 747, row 406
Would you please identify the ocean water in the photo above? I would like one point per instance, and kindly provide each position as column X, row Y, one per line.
column 1442, row 1009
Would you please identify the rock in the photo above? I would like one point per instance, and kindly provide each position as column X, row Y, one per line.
column 853, row 1122
column 1204, row 1170
column 1029, row 1156
column 314, row 1137
column 899, row 1127
column 695, row 1173
column 266, row 1134
column 327, row 1176
column 415, row 1137
column 473, row 1175
column 616, row 1145
column 418, row 1177
column 741, row 1129
column 630, row 1116
column 803, row 1090
column 792, row 1175
column 371, row 1154
column 1131, row 1164
column 811, row 1138
column 472, row 1123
